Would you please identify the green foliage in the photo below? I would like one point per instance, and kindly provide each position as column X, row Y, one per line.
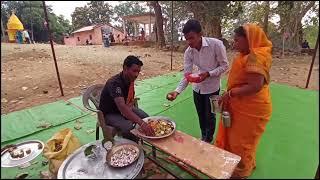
column 128, row 8
column 179, row 16
column 311, row 32
column 31, row 15
column 95, row 12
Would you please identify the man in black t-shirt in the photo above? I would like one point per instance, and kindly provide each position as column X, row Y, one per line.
column 116, row 101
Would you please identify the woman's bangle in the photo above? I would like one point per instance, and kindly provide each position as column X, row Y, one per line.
column 229, row 93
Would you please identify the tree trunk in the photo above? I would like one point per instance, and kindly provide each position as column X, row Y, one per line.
column 216, row 27
column 159, row 23
column 155, row 32
column 291, row 14
column 3, row 32
column 266, row 17
column 211, row 25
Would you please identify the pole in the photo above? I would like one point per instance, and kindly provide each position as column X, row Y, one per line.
column 312, row 62
column 3, row 32
column 150, row 30
column 283, row 46
column 171, row 33
column 52, row 48
column 32, row 39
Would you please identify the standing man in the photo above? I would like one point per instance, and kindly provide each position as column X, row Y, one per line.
column 111, row 37
column 210, row 57
column 26, row 36
column 143, row 34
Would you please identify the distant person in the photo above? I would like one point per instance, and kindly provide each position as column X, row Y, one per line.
column 125, row 40
column 87, row 42
column 26, row 36
column 111, row 37
column 143, row 34
column 19, row 37
column 117, row 100
column 118, row 38
column 305, row 44
column 106, row 40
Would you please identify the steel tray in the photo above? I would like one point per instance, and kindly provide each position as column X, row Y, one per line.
column 78, row 166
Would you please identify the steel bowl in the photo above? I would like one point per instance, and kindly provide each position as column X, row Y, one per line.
column 116, row 148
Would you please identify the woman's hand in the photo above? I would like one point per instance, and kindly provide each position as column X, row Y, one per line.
column 224, row 100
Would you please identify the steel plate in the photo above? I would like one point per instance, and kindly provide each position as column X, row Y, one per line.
column 157, row 137
column 78, row 166
column 8, row 161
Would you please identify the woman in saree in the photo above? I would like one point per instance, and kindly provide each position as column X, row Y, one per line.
column 247, row 98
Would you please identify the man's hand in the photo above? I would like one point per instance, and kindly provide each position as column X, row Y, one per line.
column 172, row 95
column 147, row 129
column 204, row 76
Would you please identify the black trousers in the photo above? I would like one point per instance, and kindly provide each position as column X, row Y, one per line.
column 124, row 125
column 207, row 120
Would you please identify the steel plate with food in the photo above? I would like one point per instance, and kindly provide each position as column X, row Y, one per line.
column 122, row 155
column 162, row 126
column 21, row 153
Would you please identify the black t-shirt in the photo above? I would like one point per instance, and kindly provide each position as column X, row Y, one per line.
column 116, row 86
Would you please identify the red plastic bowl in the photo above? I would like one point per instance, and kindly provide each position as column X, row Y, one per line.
column 194, row 78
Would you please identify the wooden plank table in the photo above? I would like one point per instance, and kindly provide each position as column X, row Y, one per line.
column 206, row 158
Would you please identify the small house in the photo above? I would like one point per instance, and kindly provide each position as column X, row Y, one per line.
column 94, row 34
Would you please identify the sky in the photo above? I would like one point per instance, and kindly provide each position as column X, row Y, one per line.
column 66, row 8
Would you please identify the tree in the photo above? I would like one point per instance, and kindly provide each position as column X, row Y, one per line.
column 99, row 12
column 179, row 16
column 212, row 13
column 159, row 23
column 291, row 14
column 125, row 9
column 95, row 12
column 266, row 16
column 80, row 17
column 31, row 15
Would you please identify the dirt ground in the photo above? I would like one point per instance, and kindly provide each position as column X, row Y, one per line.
column 29, row 78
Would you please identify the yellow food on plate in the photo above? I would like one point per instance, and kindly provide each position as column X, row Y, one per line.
column 161, row 127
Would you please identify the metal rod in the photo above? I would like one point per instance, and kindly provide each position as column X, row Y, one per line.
column 3, row 32
column 164, row 167
column 171, row 34
column 150, row 30
column 154, row 152
column 312, row 62
column 52, row 48
column 32, row 39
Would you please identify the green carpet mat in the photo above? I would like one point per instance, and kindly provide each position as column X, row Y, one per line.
column 25, row 122
column 289, row 148
column 88, row 122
